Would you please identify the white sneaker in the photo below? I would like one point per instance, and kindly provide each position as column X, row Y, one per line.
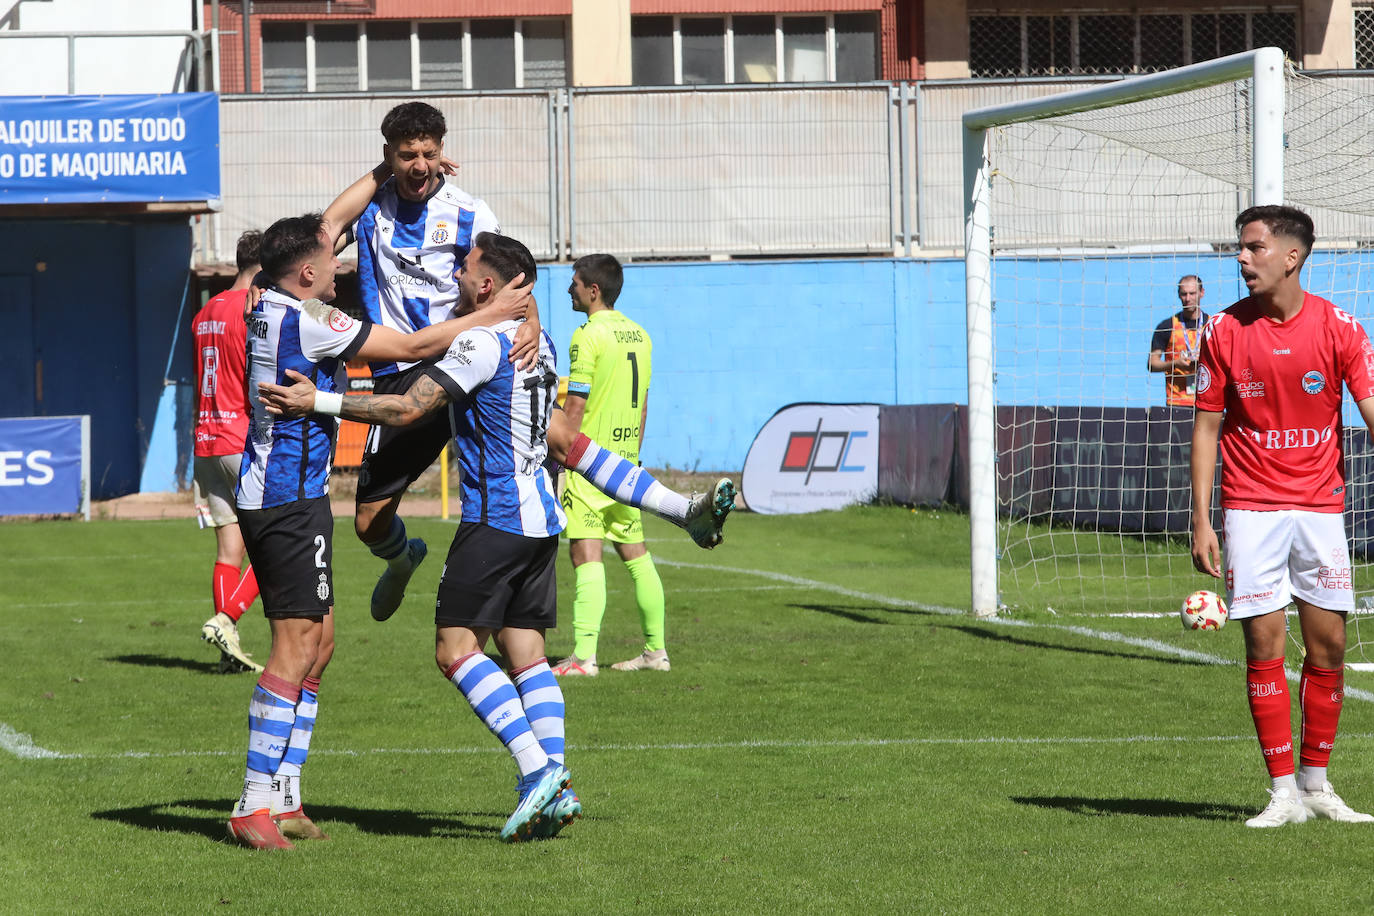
column 656, row 660
column 1284, row 808
column 391, row 587
column 1324, row 802
column 572, row 666
column 220, row 632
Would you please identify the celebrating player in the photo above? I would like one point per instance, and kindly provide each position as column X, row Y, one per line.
column 413, row 229
column 221, row 426
column 1269, row 382
column 283, row 507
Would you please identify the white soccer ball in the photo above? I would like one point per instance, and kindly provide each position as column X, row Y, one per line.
column 1203, row 610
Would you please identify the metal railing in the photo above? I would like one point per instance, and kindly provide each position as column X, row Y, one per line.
column 192, row 58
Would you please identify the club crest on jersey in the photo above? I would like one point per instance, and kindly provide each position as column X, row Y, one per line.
column 440, row 234
column 1313, row 382
column 1204, row 379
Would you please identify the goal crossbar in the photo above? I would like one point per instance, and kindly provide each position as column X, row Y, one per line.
column 1264, row 68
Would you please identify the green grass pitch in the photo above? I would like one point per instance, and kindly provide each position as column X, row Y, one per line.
column 831, row 739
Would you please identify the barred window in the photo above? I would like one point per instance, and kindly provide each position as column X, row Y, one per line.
column 380, row 56
column 1364, row 38
column 1091, row 43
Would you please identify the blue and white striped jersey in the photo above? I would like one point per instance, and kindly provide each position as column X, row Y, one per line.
column 501, row 419
column 409, row 255
column 286, row 459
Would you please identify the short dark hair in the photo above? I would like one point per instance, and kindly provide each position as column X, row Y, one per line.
column 1194, row 277
column 506, row 257
column 603, row 270
column 1281, row 220
column 288, row 242
column 249, row 251
column 410, row 120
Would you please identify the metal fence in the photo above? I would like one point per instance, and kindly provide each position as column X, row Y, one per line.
column 686, row 172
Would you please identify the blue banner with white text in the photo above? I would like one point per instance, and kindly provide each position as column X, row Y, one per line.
column 42, row 466
column 118, row 148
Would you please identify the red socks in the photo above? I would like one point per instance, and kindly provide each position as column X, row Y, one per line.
column 1320, row 693
column 233, row 593
column 1269, row 706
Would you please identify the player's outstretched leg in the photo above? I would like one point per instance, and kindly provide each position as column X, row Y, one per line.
column 402, row 558
column 702, row 515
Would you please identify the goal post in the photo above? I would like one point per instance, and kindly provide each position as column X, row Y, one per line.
column 1260, row 76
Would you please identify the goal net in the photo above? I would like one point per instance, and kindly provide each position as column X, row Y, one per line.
column 1085, row 211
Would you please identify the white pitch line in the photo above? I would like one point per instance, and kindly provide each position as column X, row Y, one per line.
column 34, row 753
column 1154, row 645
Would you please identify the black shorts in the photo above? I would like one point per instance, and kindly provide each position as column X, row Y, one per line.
column 394, row 456
column 291, row 548
column 494, row 579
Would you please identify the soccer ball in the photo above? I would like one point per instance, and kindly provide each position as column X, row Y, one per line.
column 1203, row 610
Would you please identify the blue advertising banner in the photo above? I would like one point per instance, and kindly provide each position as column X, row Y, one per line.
column 43, row 466
column 128, row 148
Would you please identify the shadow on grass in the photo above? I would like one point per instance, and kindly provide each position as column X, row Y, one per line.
column 166, row 661
column 1142, row 807
column 852, row 612
column 1144, row 656
column 208, row 817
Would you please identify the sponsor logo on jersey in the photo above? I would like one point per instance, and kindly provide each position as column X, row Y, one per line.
column 1204, row 379
column 1249, row 389
column 1313, row 382
column 466, row 346
column 1298, row 437
column 1284, row 352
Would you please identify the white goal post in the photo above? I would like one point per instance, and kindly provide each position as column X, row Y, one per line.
column 1264, row 73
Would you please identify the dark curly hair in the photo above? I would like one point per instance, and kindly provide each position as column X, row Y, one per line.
column 411, row 120
column 288, row 242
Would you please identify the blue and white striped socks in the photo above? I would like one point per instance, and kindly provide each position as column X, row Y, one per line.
column 543, row 702
column 625, row 482
column 495, row 700
column 286, row 789
column 271, row 715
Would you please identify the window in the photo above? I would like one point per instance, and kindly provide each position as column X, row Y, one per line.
column 687, row 50
column 1030, row 45
column 388, row 56
column 381, row 56
column 703, row 50
column 651, row 50
column 1364, row 38
column 545, row 57
column 283, row 57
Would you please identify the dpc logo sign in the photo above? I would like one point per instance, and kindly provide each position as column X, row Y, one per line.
column 810, row 457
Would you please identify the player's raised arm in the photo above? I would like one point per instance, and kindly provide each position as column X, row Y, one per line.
column 301, row 398
column 1206, row 548
column 384, row 344
column 350, row 204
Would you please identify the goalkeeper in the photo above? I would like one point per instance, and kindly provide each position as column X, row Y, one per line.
column 1269, row 388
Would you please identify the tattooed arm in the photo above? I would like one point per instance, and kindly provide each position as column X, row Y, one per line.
column 423, row 397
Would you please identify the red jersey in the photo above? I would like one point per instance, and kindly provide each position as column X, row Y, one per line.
column 1280, row 385
column 221, row 374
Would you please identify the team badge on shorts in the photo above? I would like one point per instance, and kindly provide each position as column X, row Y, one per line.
column 322, row 589
column 1204, row 379
column 1313, row 382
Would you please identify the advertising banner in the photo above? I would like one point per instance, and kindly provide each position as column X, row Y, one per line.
column 810, row 457
column 44, row 464
column 125, row 148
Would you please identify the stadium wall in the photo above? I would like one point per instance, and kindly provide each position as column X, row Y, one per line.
column 104, row 298
column 736, row 340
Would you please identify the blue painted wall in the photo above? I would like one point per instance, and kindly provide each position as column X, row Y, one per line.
column 733, row 341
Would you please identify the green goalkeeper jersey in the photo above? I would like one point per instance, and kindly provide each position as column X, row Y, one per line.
column 610, row 362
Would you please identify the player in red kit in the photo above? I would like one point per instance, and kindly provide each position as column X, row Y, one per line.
column 1269, row 387
column 221, row 425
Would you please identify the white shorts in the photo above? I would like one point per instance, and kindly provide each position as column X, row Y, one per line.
column 1273, row 557
column 216, row 480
